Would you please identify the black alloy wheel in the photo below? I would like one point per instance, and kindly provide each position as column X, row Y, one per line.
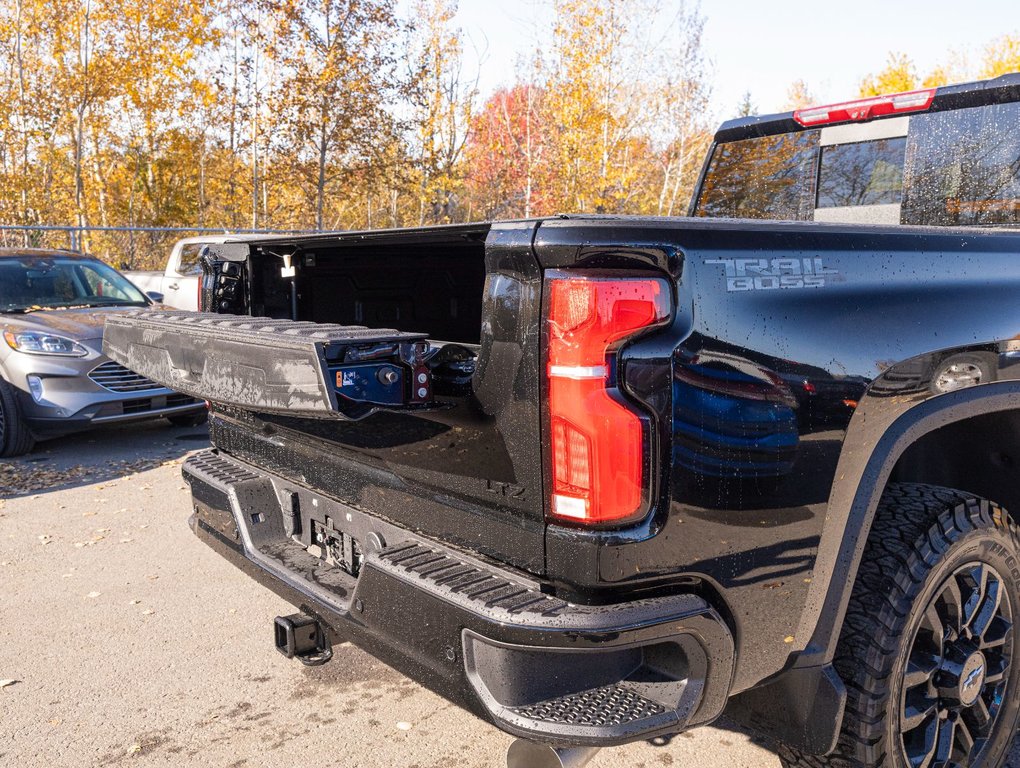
column 957, row 670
column 926, row 647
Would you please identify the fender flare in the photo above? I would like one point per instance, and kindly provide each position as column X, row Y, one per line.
column 803, row 705
column 847, row 526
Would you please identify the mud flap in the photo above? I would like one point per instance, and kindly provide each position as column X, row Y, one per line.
column 303, row 369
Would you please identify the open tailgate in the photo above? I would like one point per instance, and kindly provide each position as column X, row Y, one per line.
column 274, row 366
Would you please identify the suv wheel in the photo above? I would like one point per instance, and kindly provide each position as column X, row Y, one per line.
column 15, row 439
column 926, row 650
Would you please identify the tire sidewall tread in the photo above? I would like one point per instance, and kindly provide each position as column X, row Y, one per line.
column 920, row 535
column 16, row 439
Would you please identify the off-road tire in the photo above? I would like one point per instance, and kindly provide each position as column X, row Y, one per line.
column 923, row 536
column 15, row 438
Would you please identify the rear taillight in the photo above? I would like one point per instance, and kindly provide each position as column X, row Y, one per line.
column 597, row 437
column 865, row 109
column 198, row 298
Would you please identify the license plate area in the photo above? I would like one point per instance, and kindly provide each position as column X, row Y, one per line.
column 335, row 547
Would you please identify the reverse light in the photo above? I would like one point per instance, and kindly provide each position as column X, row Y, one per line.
column 865, row 109
column 38, row 343
column 597, row 437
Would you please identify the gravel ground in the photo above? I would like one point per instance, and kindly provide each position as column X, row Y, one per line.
column 133, row 644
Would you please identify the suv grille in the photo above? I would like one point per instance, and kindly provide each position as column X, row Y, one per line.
column 117, row 378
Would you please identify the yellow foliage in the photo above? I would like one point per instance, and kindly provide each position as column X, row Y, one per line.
column 1001, row 56
column 798, row 96
column 335, row 113
column 898, row 75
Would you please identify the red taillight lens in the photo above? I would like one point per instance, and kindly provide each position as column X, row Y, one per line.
column 597, row 438
column 198, row 297
column 864, row 109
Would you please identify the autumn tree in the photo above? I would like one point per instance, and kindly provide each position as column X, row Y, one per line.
column 339, row 77
column 584, row 100
column 341, row 113
column 746, row 107
column 442, row 102
column 505, row 155
column 681, row 132
column 798, row 96
column 622, row 87
column 31, row 113
column 899, row 74
column 1001, row 56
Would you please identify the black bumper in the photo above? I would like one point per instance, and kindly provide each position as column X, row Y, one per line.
column 485, row 638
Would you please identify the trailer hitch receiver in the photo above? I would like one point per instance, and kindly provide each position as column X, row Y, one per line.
column 302, row 637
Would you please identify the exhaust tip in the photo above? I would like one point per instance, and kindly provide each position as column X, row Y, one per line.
column 529, row 754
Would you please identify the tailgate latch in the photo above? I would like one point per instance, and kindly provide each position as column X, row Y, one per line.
column 389, row 374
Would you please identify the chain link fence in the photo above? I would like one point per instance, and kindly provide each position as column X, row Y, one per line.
column 144, row 248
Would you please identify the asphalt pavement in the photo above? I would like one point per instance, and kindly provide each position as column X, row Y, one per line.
column 130, row 643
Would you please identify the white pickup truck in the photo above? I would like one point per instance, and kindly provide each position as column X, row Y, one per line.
column 179, row 285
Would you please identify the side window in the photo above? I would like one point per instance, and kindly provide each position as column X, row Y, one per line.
column 963, row 167
column 190, row 264
column 772, row 177
column 99, row 286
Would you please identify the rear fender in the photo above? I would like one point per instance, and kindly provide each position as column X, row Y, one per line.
column 900, row 407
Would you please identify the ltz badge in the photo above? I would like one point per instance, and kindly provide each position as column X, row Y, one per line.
column 775, row 274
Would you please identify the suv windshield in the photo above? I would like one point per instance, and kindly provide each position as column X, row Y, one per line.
column 30, row 283
column 956, row 167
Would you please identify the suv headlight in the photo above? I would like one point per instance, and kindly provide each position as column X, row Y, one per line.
column 39, row 343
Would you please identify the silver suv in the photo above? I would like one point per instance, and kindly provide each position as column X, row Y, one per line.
column 54, row 378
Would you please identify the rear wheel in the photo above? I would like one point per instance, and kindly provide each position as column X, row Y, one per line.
column 15, row 439
column 189, row 419
column 926, row 650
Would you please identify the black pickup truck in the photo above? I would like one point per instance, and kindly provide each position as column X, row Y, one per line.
column 599, row 479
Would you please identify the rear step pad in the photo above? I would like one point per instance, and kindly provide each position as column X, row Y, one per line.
column 275, row 366
column 661, row 680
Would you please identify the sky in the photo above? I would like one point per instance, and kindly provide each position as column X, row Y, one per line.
column 762, row 47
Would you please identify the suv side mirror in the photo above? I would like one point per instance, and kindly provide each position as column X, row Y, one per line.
column 155, row 296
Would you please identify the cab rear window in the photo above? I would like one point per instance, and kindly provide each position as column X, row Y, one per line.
column 959, row 167
column 767, row 178
column 964, row 167
column 862, row 173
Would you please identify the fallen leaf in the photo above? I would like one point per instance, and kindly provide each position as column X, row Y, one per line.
column 148, row 612
column 788, row 639
column 5, row 683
